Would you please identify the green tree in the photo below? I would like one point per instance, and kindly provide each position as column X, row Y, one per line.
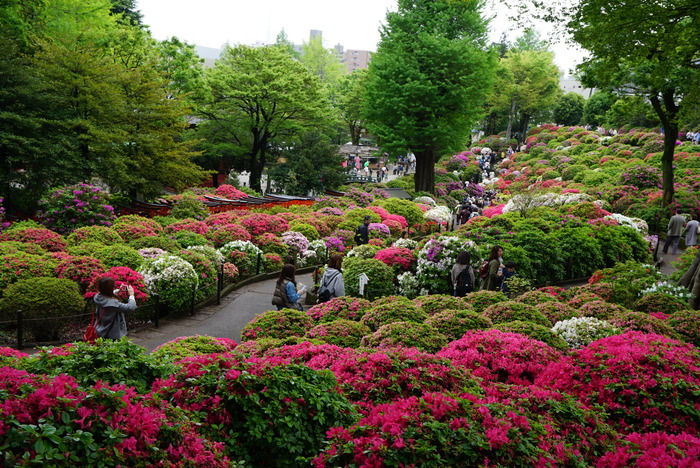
column 259, row 97
column 428, row 80
column 634, row 111
column 310, row 165
column 350, row 102
column 596, row 107
column 180, row 65
column 286, row 45
column 569, row 109
column 640, row 47
column 321, row 62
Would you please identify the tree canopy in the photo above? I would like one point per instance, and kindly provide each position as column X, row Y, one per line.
column 428, row 80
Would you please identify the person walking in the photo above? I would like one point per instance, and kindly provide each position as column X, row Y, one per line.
column 462, row 275
column 691, row 232
column 362, row 231
column 675, row 228
column 110, row 311
column 494, row 276
column 287, row 291
column 332, row 278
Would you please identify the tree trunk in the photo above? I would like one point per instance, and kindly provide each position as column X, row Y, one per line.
column 511, row 116
column 425, row 171
column 667, row 114
column 691, row 281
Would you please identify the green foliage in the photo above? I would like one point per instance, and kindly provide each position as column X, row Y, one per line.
column 596, row 107
column 407, row 334
column 188, row 239
column 190, row 346
column 70, row 207
column 380, row 276
column 535, row 331
column 119, row 362
column 432, row 64
column 100, row 234
column 42, row 301
column 306, row 229
column 160, row 242
column 569, row 109
column 455, row 323
column 405, row 208
column 341, row 332
column 188, row 205
column 277, row 324
column 118, row 256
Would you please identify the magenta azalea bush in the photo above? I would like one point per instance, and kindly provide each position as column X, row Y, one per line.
column 644, row 382
column 399, row 258
column 71, row 207
column 344, row 307
column 47, row 239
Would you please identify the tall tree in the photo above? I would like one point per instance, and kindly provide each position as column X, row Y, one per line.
column 179, row 64
column 650, row 48
column 259, row 98
column 321, row 62
column 569, row 109
column 350, row 102
column 428, row 80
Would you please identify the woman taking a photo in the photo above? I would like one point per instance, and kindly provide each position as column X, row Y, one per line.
column 110, row 311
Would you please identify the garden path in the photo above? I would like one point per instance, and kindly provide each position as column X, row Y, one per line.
column 240, row 307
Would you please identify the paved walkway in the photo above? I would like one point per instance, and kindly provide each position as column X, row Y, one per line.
column 222, row 321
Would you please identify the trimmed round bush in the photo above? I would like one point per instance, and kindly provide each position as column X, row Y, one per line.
column 534, row 331
column 129, row 232
column 225, row 233
column 45, row 238
column 277, row 324
column 173, row 278
column 380, row 276
column 644, row 382
column 304, row 228
column 80, row 270
column 260, row 223
column 73, row 206
column 158, row 242
column 188, row 224
column 582, row 331
column 499, row 356
column 455, row 323
column 410, row 334
column 390, row 312
column 189, row 239
column 435, row 303
column 601, row 310
column 557, row 311
column 119, row 255
column 14, row 267
column 581, row 298
column 480, row 300
column 344, row 307
column 536, row 298
column 15, row 247
column 639, row 321
column 47, row 299
column 341, row 332
column 190, row 346
column 510, row 311
column 660, row 303
column 685, row 323
column 101, row 234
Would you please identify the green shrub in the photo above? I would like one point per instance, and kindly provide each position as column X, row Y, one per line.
column 277, row 324
column 14, row 267
column 405, row 208
column 101, row 234
column 535, row 331
column 436, row 303
column 510, row 311
column 394, row 311
column 190, row 346
column 159, row 242
column 119, row 362
column 455, row 323
column 408, row 334
column 70, row 207
column 119, row 256
column 308, row 230
column 15, row 247
column 480, row 300
column 43, row 301
column 189, row 239
column 685, row 323
column 380, row 276
column 341, row 332
column 188, row 205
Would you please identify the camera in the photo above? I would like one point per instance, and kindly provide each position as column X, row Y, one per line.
column 123, row 287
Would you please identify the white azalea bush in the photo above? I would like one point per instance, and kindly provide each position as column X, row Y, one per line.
column 670, row 289
column 525, row 201
column 408, row 285
column 435, row 261
column 315, row 254
column 425, row 201
column 172, row 278
column 582, row 331
column 243, row 254
column 637, row 223
column 211, row 253
column 364, row 251
column 405, row 243
column 440, row 214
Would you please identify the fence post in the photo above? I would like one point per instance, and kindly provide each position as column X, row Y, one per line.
column 257, row 267
column 20, row 329
column 194, row 293
column 219, row 284
column 157, row 306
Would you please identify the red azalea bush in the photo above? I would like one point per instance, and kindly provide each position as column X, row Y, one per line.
column 46, row 238
column 272, row 243
column 130, row 232
column 105, row 425
column 224, row 233
column 79, row 269
column 500, row 357
column 652, row 449
column 230, row 192
column 122, row 276
column 190, row 225
column 345, row 307
column 442, row 430
column 341, row 332
column 382, row 212
column 19, row 266
column 260, row 223
column 435, row 303
column 399, row 258
column 227, row 217
column 644, row 382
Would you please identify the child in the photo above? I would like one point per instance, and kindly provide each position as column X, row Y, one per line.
column 508, row 272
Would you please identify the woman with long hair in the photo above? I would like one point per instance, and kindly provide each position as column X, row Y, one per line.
column 110, row 311
column 287, row 294
column 495, row 272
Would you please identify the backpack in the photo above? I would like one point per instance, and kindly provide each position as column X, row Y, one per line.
column 464, row 283
column 484, row 270
column 325, row 294
column 358, row 236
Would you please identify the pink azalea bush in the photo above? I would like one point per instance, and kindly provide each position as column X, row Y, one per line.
column 654, row 449
column 222, row 234
column 79, row 269
column 122, row 276
column 229, row 191
column 259, row 223
column 344, row 307
column 644, row 382
column 190, row 225
column 47, row 239
column 500, row 357
column 399, row 258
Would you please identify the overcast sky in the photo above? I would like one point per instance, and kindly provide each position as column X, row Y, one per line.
column 354, row 24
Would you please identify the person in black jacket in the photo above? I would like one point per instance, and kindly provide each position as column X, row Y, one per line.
column 362, row 232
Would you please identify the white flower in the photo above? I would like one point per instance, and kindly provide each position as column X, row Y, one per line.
column 211, row 253
column 406, row 243
column 425, row 201
column 441, row 214
column 582, row 331
column 167, row 271
column 664, row 287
